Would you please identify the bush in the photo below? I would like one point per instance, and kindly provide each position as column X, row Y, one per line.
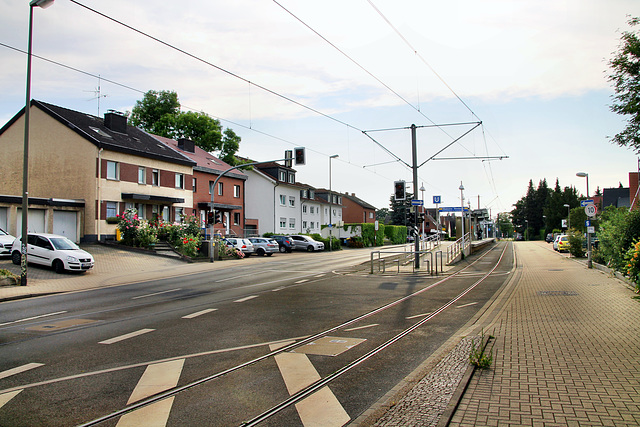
column 355, row 242
column 188, row 245
column 128, row 224
column 632, row 258
column 576, row 241
column 146, row 236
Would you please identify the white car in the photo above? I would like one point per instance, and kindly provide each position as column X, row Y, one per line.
column 6, row 241
column 244, row 245
column 556, row 241
column 306, row 243
column 54, row 251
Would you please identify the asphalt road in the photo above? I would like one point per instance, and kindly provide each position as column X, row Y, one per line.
column 72, row 358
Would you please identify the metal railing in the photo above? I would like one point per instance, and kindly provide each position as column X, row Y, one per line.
column 458, row 246
column 379, row 264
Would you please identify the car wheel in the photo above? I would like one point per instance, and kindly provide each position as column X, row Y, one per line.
column 269, row 254
column 16, row 257
column 289, row 250
column 309, row 248
column 58, row 266
column 283, row 249
column 260, row 252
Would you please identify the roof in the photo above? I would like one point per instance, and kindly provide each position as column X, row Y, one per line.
column 359, row 201
column 205, row 161
column 135, row 141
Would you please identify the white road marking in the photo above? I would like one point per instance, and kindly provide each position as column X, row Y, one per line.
column 363, row 327
column 126, row 336
column 19, row 369
column 6, row 397
column 32, row 318
column 466, row 305
column 301, row 281
column 417, row 315
column 321, row 408
column 278, row 289
column 246, row 298
column 199, row 313
column 156, row 293
column 154, row 415
column 156, row 379
column 319, row 276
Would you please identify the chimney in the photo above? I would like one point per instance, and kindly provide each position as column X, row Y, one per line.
column 186, row 145
column 353, row 194
column 115, row 121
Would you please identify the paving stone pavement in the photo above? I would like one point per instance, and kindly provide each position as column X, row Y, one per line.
column 566, row 350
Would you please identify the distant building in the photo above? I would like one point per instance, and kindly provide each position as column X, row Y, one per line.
column 618, row 197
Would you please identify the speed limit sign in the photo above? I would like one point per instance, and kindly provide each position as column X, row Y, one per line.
column 591, row 210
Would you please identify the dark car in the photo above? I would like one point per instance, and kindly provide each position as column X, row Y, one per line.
column 285, row 243
column 550, row 238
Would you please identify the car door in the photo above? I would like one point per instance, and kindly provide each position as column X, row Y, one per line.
column 298, row 242
column 40, row 251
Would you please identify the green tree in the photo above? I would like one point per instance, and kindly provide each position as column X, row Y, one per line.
column 505, row 227
column 625, row 77
column 156, row 113
column 399, row 209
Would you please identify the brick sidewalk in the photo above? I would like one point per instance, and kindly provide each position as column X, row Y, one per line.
column 566, row 350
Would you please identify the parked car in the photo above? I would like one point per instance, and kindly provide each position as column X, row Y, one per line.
column 549, row 238
column 264, row 246
column 519, row 237
column 556, row 240
column 284, row 242
column 243, row 245
column 54, row 251
column 6, row 241
column 306, row 243
column 563, row 243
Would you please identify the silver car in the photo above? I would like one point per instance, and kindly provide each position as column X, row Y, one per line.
column 306, row 243
column 264, row 246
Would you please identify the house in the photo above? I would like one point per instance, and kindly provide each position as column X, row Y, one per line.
column 229, row 195
column 618, row 197
column 333, row 207
column 357, row 210
column 84, row 169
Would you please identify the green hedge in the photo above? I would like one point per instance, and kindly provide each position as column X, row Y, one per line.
column 397, row 234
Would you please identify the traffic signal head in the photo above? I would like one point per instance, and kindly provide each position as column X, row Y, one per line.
column 399, row 190
column 210, row 218
column 299, row 155
column 218, row 217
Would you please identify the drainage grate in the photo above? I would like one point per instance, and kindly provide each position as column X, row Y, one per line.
column 556, row 269
column 556, row 293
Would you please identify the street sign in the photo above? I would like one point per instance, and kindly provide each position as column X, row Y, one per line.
column 377, row 225
column 416, row 202
column 587, row 223
column 586, row 202
column 591, row 230
column 453, row 209
column 590, row 210
column 437, row 200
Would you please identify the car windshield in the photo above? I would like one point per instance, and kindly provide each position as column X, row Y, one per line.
column 62, row 243
column 3, row 233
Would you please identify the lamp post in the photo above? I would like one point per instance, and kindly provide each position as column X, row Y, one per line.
column 589, row 262
column 422, row 190
column 330, row 202
column 568, row 216
column 25, row 158
column 527, row 228
column 461, row 188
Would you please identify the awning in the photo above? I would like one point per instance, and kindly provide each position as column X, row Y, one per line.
column 151, row 197
column 204, row 206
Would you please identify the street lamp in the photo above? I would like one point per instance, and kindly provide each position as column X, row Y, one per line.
column 527, row 228
column 422, row 190
column 330, row 201
column 461, row 188
column 568, row 216
column 589, row 262
column 25, row 158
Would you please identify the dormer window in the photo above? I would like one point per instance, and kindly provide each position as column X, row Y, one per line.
column 283, row 176
column 292, row 178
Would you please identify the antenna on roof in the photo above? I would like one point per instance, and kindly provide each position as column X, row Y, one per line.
column 97, row 95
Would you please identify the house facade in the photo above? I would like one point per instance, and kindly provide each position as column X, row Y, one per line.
column 357, row 210
column 84, row 169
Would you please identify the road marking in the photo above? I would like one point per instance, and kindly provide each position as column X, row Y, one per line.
column 32, row 318
column 319, row 276
column 278, row 289
column 466, row 305
column 199, row 313
column 246, row 298
column 19, row 369
column 156, row 379
column 157, row 293
column 417, row 315
column 301, row 281
column 363, row 327
column 61, row 324
column 6, row 397
column 154, row 415
column 126, row 336
column 321, row 408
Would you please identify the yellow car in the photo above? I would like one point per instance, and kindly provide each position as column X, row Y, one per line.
column 563, row 244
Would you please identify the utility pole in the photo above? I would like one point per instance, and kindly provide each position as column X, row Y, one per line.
column 414, row 152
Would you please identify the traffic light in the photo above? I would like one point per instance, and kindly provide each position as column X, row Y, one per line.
column 400, row 192
column 210, row 218
column 218, row 217
column 299, row 155
column 288, row 158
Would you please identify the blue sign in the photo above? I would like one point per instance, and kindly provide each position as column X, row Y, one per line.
column 437, row 200
column 586, row 203
column 415, row 202
column 453, row 209
column 587, row 223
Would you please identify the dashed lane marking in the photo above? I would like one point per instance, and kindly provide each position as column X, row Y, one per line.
column 246, row 298
column 415, row 316
column 199, row 313
column 301, row 281
column 373, row 325
column 32, row 318
column 156, row 293
column 19, row 369
column 126, row 336
column 467, row 305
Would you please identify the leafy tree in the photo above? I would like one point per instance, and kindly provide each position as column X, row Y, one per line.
column 505, row 226
column 159, row 113
column 625, row 78
column 382, row 215
column 400, row 209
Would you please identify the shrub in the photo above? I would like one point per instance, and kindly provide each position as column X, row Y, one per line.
column 146, row 236
column 632, row 258
column 576, row 241
column 128, row 224
column 188, row 245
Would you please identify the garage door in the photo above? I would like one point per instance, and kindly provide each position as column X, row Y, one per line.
column 4, row 215
column 35, row 221
column 65, row 223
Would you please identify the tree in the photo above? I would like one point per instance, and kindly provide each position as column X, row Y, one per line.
column 159, row 113
column 382, row 215
column 625, row 78
column 400, row 209
column 505, row 227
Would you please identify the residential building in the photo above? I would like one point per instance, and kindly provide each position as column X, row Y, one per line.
column 618, row 197
column 84, row 169
column 229, row 195
column 356, row 210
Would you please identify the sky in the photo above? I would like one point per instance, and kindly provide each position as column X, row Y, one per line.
column 350, row 78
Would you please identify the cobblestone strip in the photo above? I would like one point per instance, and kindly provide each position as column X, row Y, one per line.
column 425, row 403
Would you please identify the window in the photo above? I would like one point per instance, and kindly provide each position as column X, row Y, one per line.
column 180, row 181
column 305, row 194
column 236, row 191
column 142, row 175
column 210, row 186
column 292, row 202
column 113, row 170
column 140, row 208
column 283, row 200
column 312, row 209
column 112, row 209
column 179, row 214
column 283, row 222
column 312, row 194
column 292, row 223
column 312, row 224
column 219, row 189
column 236, row 218
column 304, row 224
column 304, row 208
column 370, row 215
column 283, row 176
column 193, row 184
column 155, row 177
column 292, row 178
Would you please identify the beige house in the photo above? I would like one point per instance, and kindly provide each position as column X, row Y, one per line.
column 84, row 169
